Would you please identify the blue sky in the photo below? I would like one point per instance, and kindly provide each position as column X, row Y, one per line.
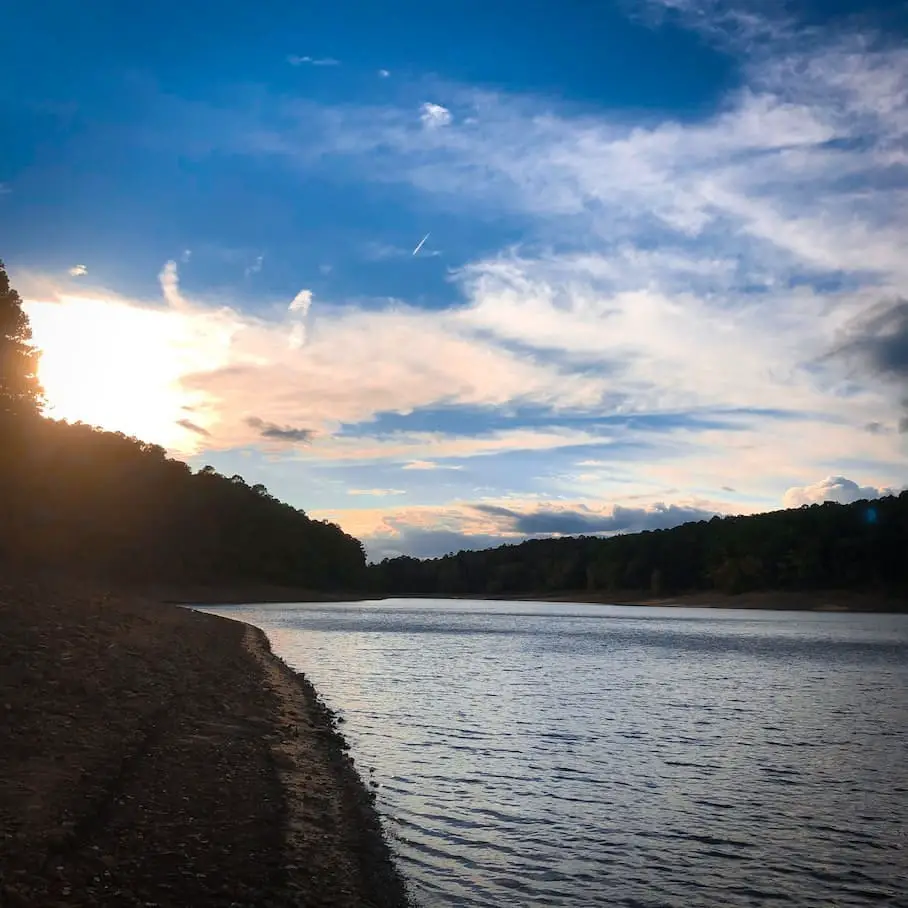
column 664, row 277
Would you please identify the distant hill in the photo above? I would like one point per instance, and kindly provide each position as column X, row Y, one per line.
column 861, row 547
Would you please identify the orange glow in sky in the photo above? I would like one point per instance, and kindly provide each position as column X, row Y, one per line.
column 118, row 366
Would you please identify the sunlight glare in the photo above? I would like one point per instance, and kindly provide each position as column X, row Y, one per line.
column 118, row 366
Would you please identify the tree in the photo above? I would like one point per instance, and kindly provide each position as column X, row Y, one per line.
column 861, row 546
column 20, row 390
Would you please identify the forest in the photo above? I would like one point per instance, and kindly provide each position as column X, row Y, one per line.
column 74, row 498
column 861, row 547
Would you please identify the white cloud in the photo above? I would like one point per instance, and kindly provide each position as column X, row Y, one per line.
column 407, row 446
column 170, row 287
column 78, row 271
column 434, row 116
column 301, row 302
column 344, row 365
column 703, row 263
column 745, row 355
column 384, row 73
column 800, row 169
column 377, row 493
column 295, row 60
column 833, row 488
column 429, row 465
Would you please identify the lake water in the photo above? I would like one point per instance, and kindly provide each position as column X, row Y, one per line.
column 534, row 754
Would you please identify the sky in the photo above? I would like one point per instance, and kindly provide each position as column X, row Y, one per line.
column 660, row 275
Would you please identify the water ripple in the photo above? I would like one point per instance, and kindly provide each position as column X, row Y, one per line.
column 531, row 754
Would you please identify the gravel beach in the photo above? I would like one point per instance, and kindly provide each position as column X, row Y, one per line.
column 156, row 756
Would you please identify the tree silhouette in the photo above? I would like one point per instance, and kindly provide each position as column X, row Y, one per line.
column 74, row 498
column 20, row 390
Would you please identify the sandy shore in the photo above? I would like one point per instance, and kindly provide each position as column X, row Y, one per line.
column 156, row 756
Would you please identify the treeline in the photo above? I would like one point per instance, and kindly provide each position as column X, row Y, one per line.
column 77, row 499
column 861, row 547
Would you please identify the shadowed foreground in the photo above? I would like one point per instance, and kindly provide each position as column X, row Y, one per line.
column 157, row 756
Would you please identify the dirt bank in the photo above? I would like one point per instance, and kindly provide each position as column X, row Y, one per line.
column 156, row 756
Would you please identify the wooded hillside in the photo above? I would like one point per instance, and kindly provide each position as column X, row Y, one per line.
column 861, row 546
column 75, row 498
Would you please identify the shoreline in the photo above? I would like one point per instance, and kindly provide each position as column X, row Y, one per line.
column 312, row 757
column 162, row 756
column 779, row 600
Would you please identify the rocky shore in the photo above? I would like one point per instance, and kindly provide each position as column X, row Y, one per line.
column 155, row 756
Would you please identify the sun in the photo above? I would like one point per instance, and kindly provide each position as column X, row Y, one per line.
column 118, row 366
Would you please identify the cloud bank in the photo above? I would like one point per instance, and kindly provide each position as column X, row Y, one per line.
column 585, row 521
column 833, row 488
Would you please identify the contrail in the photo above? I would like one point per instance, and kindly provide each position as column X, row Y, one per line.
column 419, row 244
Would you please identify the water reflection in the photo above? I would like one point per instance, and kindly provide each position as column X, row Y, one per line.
column 560, row 754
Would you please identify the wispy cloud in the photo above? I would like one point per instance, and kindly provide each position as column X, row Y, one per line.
column 377, row 493
column 384, row 73
column 295, row 60
column 189, row 425
column 737, row 24
column 753, row 237
column 77, row 271
column 430, row 465
column 404, row 447
column 377, row 251
column 273, row 432
column 255, row 267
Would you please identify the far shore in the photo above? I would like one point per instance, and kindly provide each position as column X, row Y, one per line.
column 781, row 600
column 248, row 594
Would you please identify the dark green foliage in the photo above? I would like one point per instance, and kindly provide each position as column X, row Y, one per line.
column 100, row 502
column 20, row 391
column 861, row 547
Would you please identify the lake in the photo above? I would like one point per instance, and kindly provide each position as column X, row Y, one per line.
column 532, row 754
